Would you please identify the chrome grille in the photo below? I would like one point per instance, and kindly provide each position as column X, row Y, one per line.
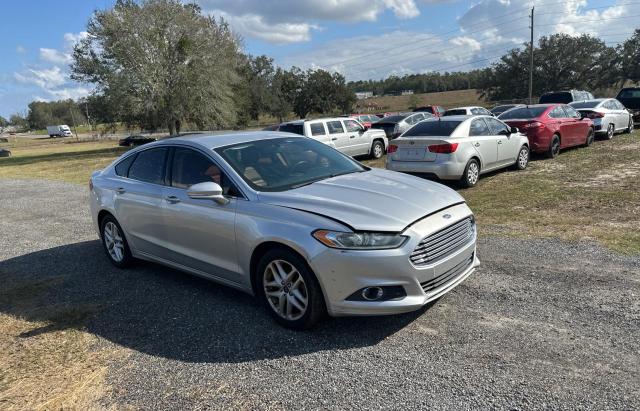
column 446, row 277
column 444, row 242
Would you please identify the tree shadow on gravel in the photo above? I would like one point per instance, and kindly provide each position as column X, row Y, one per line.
column 164, row 312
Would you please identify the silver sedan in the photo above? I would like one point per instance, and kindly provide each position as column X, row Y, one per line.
column 609, row 116
column 458, row 148
column 290, row 220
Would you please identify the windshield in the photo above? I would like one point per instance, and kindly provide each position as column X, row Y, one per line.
column 629, row 93
column 392, row 119
column 433, row 128
column 284, row 163
column 523, row 112
column 562, row 97
column 586, row 104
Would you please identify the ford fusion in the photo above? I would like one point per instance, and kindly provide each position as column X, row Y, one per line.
column 303, row 227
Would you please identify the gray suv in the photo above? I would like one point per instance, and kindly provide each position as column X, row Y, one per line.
column 565, row 97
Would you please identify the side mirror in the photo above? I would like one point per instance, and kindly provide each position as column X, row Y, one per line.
column 514, row 130
column 207, row 191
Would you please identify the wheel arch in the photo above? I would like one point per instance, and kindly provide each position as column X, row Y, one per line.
column 260, row 250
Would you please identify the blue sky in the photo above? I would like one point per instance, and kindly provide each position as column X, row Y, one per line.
column 360, row 38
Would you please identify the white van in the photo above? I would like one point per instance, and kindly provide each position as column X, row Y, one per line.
column 342, row 133
column 59, row 131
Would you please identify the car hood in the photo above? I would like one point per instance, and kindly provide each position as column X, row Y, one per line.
column 375, row 200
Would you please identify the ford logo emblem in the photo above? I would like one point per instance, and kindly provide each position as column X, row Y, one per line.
column 446, row 216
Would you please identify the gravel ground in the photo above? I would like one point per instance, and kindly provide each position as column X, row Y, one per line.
column 542, row 324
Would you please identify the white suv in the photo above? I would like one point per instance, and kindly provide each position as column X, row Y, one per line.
column 342, row 133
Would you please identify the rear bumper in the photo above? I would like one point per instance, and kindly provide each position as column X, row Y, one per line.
column 444, row 170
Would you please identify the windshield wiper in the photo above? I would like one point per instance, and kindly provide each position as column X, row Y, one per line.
column 306, row 183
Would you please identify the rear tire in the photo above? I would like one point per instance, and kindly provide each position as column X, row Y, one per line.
column 522, row 161
column 471, row 174
column 554, row 148
column 377, row 150
column 611, row 129
column 114, row 242
column 285, row 283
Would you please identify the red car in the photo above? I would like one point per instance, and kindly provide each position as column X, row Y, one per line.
column 437, row 111
column 550, row 127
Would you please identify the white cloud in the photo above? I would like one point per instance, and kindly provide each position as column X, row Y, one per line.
column 253, row 25
column 21, row 50
column 467, row 42
column 45, row 78
column 72, row 38
column 55, row 56
column 287, row 21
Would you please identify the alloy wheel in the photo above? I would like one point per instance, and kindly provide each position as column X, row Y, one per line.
column 377, row 151
column 285, row 289
column 523, row 158
column 556, row 148
column 473, row 173
column 610, row 131
column 113, row 241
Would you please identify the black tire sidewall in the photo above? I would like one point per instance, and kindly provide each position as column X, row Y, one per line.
column 551, row 153
column 610, row 136
column 127, row 259
column 316, row 308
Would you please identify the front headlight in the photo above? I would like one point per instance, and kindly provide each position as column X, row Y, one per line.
column 359, row 241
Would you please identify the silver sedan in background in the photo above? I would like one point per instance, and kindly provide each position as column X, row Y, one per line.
column 458, row 148
column 305, row 228
column 609, row 116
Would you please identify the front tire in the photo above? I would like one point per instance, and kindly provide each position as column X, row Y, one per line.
column 377, row 150
column 289, row 290
column 114, row 242
column 522, row 161
column 590, row 138
column 554, row 148
column 471, row 174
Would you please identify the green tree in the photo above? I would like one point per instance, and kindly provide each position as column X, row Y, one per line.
column 413, row 101
column 286, row 88
column 161, row 62
column 3, row 122
column 629, row 53
column 18, row 120
column 42, row 114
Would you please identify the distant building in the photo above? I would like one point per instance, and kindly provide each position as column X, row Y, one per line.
column 363, row 94
column 407, row 92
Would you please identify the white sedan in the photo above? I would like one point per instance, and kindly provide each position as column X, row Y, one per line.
column 609, row 116
column 458, row 148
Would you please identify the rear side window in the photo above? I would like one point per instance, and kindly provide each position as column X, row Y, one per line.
column 433, row 128
column 629, row 93
column 317, row 129
column 479, row 128
column 122, row 168
column 292, row 128
column 335, row 127
column 457, row 112
column 149, row 166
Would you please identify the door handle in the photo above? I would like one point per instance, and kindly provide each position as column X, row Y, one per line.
column 477, row 144
column 499, row 141
column 172, row 199
column 120, row 190
column 334, row 138
column 352, row 136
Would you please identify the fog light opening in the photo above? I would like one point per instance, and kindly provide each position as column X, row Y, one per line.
column 372, row 293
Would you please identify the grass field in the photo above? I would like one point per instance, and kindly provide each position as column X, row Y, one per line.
column 448, row 99
column 586, row 193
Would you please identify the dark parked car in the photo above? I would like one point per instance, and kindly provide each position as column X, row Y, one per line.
column 565, row 97
column 551, row 127
column 4, row 152
column 436, row 111
column 497, row 110
column 135, row 140
column 395, row 125
column 630, row 98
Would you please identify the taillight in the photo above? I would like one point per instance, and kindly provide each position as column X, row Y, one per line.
column 595, row 114
column 392, row 148
column 447, row 148
column 533, row 124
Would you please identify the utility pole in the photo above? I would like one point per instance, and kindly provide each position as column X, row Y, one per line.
column 73, row 118
column 86, row 107
column 531, row 61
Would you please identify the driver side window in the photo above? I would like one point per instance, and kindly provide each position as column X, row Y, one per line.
column 190, row 167
column 352, row 126
column 479, row 128
column 497, row 127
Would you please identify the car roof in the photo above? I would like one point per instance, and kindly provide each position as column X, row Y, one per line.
column 594, row 100
column 458, row 117
column 221, row 140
